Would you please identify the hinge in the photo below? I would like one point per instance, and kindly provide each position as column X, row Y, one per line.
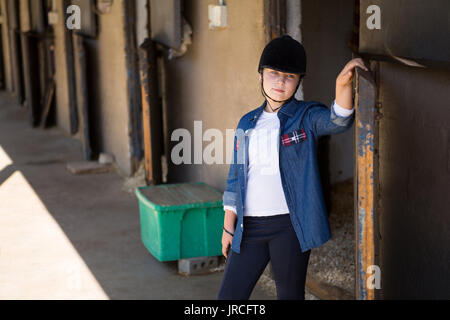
column 378, row 113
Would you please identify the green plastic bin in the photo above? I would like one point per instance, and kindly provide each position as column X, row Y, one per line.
column 181, row 221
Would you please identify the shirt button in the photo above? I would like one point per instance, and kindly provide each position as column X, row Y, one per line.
column 242, row 225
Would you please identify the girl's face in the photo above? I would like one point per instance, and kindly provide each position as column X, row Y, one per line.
column 279, row 85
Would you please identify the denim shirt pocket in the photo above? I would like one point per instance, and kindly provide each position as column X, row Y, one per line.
column 295, row 148
column 293, row 137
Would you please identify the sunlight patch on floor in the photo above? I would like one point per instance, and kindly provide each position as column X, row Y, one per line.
column 5, row 160
column 37, row 260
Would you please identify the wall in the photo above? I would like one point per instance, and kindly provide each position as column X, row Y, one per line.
column 107, row 86
column 216, row 81
column 107, row 57
column 414, row 138
column 62, row 92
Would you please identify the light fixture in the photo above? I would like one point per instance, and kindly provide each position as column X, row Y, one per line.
column 104, row 6
column 217, row 15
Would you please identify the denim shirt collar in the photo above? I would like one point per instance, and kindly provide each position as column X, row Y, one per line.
column 287, row 108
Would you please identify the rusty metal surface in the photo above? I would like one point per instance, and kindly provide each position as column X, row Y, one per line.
column 415, row 30
column 366, row 143
column 144, row 53
column 414, row 170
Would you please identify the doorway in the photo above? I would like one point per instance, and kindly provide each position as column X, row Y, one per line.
column 327, row 33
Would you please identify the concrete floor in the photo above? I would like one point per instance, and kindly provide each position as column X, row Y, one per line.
column 65, row 236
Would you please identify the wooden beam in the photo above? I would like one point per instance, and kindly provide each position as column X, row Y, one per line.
column 82, row 94
column 274, row 18
column 50, row 92
column 133, row 84
column 69, row 55
column 151, row 112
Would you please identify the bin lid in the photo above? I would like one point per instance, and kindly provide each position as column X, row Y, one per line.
column 181, row 194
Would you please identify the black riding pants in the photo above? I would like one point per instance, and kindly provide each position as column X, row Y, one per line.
column 266, row 239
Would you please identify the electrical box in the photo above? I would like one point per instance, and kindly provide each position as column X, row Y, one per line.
column 217, row 16
column 53, row 17
column 104, row 6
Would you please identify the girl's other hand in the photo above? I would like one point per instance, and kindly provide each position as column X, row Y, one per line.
column 226, row 242
column 229, row 224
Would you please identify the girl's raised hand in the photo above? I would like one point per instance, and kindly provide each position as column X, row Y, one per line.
column 344, row 79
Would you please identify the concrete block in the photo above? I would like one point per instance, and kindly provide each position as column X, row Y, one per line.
column 197, row 265
column 106, row 158
column 87, row 167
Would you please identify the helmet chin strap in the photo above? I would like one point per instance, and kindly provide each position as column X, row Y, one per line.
column 268, row 97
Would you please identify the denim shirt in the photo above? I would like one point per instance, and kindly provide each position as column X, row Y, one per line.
column 298, row 167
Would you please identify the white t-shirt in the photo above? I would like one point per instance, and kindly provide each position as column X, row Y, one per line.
column 264, row 194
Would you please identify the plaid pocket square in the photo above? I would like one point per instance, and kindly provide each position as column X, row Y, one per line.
column 293, row 137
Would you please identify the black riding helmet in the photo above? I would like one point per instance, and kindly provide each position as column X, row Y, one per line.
column 283, row 54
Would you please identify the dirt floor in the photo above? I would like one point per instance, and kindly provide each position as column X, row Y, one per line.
column 333, row 263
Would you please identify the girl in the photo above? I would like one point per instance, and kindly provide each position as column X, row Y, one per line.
column 274, row 206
